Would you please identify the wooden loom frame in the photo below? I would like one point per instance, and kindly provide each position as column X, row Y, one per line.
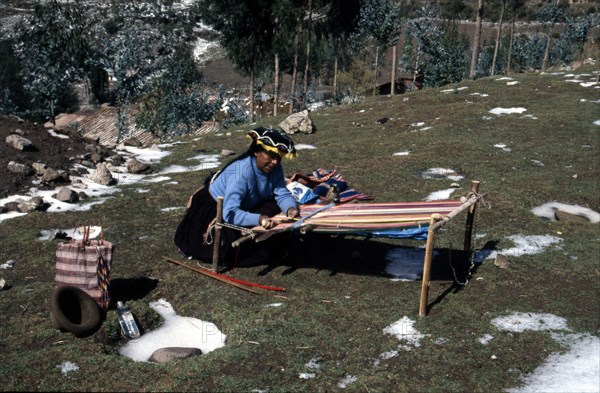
column 436, row 222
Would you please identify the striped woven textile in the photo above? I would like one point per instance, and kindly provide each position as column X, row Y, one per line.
column 386, row 219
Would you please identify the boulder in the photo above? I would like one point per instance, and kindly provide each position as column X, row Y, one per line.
column 136, row 167
column 298, row 122
column 20, row 169
column 19, row 143
column 65, row 194
column 102, row 175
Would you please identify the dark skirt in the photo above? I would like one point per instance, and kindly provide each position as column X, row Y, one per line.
column 190, row 233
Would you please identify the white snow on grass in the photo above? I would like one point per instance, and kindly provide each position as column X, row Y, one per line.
column 441, row 173
column 304, row 146
column 440, row 195
column 597, row 122
column 524, row 245
column 347, row 380
column 454, row 89
column 67, row 367
column 401, row 153
column 507, row 111
column 404, row 330
column 575, row 370
column 502, row 146
column 485, row 339
column 176, row 331
column 520, row 321
column 548, row 211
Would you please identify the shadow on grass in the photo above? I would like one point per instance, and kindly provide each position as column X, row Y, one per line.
column 361, row 256
column 135, row 288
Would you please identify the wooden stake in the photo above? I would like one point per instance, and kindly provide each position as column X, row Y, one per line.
column 217, row 240
column 470, row 218
column 427, row 264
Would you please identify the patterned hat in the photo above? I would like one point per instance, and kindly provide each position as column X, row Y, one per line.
column 274, row 141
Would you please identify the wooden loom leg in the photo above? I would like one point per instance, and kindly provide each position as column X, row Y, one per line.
column 470, row 219
column 217, row 239
column 427, row 265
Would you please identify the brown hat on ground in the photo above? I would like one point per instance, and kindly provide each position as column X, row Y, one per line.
column 75, row 311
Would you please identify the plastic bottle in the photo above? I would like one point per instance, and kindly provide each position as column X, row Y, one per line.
column 128, row 326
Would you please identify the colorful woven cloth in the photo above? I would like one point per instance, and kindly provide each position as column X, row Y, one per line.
column 390, row 220
column 321, row 181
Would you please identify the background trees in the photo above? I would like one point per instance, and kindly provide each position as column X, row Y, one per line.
column 140, row 53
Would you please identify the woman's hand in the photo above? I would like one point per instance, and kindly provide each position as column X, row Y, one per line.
column 266, row 222
column 292, row 212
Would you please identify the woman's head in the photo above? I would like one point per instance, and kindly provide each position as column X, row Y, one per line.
column 269, row 146
column 272, row 141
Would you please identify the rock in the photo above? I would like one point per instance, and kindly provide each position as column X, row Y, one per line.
column 12, row 206
column 102, row 175
column 51, row 175
column 298, row 122
column 39, row 167
column 133, row 141
column 20, row 169
column 163, row 355
column 226, row 152
column 502, row 261
column 136, row 167
column 19, row 143
column 28, row 207
column 65, row 194
column 96, row 157
column 568, row 217
column 383, row 120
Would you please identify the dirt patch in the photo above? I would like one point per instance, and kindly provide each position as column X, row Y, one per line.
column 55, row 152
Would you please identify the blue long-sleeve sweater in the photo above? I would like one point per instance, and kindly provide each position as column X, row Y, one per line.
column 243, row 187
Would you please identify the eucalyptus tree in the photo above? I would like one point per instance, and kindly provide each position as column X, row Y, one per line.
column 433, row 50
column 513, row 6
column 246, row 32
column 342, row 21
column 498, row 35
column 180, row 100
column 380, row 20
column 127, row 41
column 286, row 13
column 476, row 39
column 52, row 48
column 549, row 15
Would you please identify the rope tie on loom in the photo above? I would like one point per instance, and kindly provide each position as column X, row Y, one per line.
column 209, row 234
column 102, row 271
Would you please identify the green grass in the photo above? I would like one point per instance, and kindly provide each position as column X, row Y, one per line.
column 338, row 302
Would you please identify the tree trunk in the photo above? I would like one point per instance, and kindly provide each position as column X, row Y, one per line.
column 335, row 71
column 393, row 81
column 276, row 90
column 493, row 71
column 510, row 45
column 306, row 65
column 295, row 66
column 476, row 39
column 252, row 94
column 546, row 54
column 376, row 64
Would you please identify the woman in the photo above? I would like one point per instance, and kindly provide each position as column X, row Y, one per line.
column 254, row 190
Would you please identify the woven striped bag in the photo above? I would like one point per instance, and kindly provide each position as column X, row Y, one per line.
column 85, row 264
